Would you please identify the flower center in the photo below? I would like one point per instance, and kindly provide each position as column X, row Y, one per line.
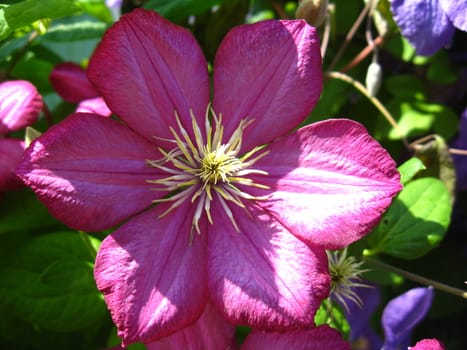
column 206, row 170
column 219, row 165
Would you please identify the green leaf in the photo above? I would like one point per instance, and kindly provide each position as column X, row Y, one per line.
column 96, row 8
column 23, row 13
column 417, row 118
column 416, row 221
column 49, row 282
column 406, row 86
column 73, row 30
column 332, row 314
column 178, row 10
column 21, row 335
column 409, row 169
column 20, row 210
column 441, row 69
column 334, row 96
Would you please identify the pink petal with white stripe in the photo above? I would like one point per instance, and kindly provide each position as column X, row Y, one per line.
column 269, row 71
column 330, row 182
column 157, row 68
column 152, row 278
column 90, row 171
column 263, row 276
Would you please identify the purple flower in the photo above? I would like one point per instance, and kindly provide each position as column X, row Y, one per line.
column 429, row 24
column 358, row 317
column 220, row 203
column 20, row 106
column 400, row 316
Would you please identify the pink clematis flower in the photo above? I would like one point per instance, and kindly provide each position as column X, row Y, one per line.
column 218, row 203
column 428, row 344
column 71, row 83
column 20, row 106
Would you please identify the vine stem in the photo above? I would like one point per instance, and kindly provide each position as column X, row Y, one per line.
column 417, row 278
column 326, row 34
column 360, row 87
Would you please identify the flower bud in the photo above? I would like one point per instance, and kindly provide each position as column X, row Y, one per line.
column 312, row 11
column 374, row 76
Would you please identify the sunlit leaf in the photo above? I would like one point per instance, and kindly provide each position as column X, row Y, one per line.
column 23, row 13
column 416, row 221
column 333, row 315
column 417, row 118
column 410, row 168
column 82, row 29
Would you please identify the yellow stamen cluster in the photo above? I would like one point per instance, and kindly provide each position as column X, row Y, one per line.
column 199, row 168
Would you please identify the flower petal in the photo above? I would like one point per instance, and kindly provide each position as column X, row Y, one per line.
column 210, row 332
column 262, row 275
column 94, row 105
column 153, row 279
column 90, row 171
column 402, row 314
column 20, row 105
column 456, row 11
column 330, row 182
column 319, row 338
column 269, row 71
column 423, row 23
column 428, row 344
column 359, row 317
column 156, row 68
column 11, row 151
column 71, row 83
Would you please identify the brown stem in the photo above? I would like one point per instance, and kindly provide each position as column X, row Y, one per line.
column 349, row 36
column 363, row 54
